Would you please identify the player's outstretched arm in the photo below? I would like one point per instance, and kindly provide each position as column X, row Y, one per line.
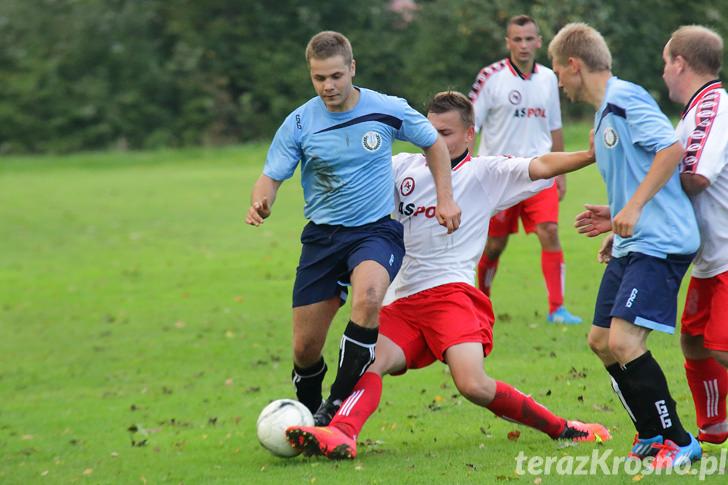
column 261, row 200
column 662, row 168
column 595, row 220
column 557, row 145
column 557, row 163
column 447, row 211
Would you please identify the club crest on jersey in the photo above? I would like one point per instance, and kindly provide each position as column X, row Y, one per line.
column 372, row 141
column 407, row 186
column 610, row 137
column 514, row 97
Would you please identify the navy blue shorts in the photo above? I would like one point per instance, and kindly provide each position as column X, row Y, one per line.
column 330, row 254
column 641, row 289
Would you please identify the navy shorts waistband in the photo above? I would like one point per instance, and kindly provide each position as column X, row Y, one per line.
column 339, row 227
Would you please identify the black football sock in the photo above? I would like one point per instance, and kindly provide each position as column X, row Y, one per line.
column 643, row 422
column 356, row 353
column 307, row 382
column 646, row 379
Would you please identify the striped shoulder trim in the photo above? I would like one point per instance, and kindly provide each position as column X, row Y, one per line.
column 483, row 76
column 705, row 113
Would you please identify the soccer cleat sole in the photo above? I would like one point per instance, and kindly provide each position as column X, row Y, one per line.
column 303, row 441
column 311, row 446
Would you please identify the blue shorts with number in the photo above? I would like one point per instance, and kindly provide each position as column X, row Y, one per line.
column 330, row 253
column 641, row 289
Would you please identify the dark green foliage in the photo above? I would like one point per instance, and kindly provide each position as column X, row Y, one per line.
column 88, row 74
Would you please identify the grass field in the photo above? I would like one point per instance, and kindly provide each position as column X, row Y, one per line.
column 144, row 326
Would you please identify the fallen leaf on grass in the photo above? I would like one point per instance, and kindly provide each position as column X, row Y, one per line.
column 514, row 435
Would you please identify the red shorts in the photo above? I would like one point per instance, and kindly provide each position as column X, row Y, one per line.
column 426, row 324
column 537, row 209
column 706, row 311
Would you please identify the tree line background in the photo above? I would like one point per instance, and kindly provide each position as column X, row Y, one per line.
column 96, row 74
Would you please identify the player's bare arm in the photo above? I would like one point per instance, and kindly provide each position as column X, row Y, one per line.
column 664, row 165
column 261, row 200
column 595, row 220
column 693, row 183
column 438, row 160
column 557, row 145
column 557, row 163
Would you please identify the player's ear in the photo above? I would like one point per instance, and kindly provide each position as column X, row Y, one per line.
column 574, row 64
column 353, row 67
column 470, row 134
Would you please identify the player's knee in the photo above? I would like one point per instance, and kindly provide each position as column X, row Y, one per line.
column 367, row 302
column 693, row 347
column 598, row 344
column 548, row 234
column 720, row 356
column 477, row 390
column 495, row 247
column 624, row 349
column 306, row 352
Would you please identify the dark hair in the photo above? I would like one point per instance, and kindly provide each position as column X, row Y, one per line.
column 521, row 20
column 446, row 101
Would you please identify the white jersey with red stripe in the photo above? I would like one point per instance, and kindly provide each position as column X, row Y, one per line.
column 515, row 113
column 481, row 186
column 703, row 131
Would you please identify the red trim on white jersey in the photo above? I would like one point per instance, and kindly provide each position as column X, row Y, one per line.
column 707, row 102
column 697, row 97
column 463, row 161
column 517, row 72
column 483, row 76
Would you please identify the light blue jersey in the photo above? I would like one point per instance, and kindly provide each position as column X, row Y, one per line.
column 629, row 129
column 346, row 158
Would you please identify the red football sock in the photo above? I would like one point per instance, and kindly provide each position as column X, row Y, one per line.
column 486, row 273
column 552, row 265
column 512, row 404
column 708, row 382
column 360, row 404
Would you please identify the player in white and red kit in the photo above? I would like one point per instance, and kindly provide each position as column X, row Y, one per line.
column 692, row 64
column 517, row 113
column 434, row 311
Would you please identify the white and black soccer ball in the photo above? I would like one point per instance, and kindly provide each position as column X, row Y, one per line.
column 273, row 421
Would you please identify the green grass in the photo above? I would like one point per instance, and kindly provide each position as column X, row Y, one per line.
column 144, row 326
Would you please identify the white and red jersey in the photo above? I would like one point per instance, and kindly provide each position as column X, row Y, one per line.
column 703, row 131
column 481, row 186
column 515, row 113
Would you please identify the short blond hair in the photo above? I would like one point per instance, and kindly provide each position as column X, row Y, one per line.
column 701, row 47
column 584, row 42
column 329, row 44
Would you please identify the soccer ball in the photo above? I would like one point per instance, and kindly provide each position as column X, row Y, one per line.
column 273, row 421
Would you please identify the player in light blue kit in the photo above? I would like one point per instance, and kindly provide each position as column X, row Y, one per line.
column 656, row 237
column 343, row 141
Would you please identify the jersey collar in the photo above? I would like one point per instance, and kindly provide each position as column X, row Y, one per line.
column 699, row 94
column 458, row 162
column 517, row 72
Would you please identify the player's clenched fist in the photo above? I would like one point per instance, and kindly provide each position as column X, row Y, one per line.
column 257, row 212
column 448, row 214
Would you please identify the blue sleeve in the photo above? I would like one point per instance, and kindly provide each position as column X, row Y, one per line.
column 416, row 129
column 649, row 127
column 285, row 151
